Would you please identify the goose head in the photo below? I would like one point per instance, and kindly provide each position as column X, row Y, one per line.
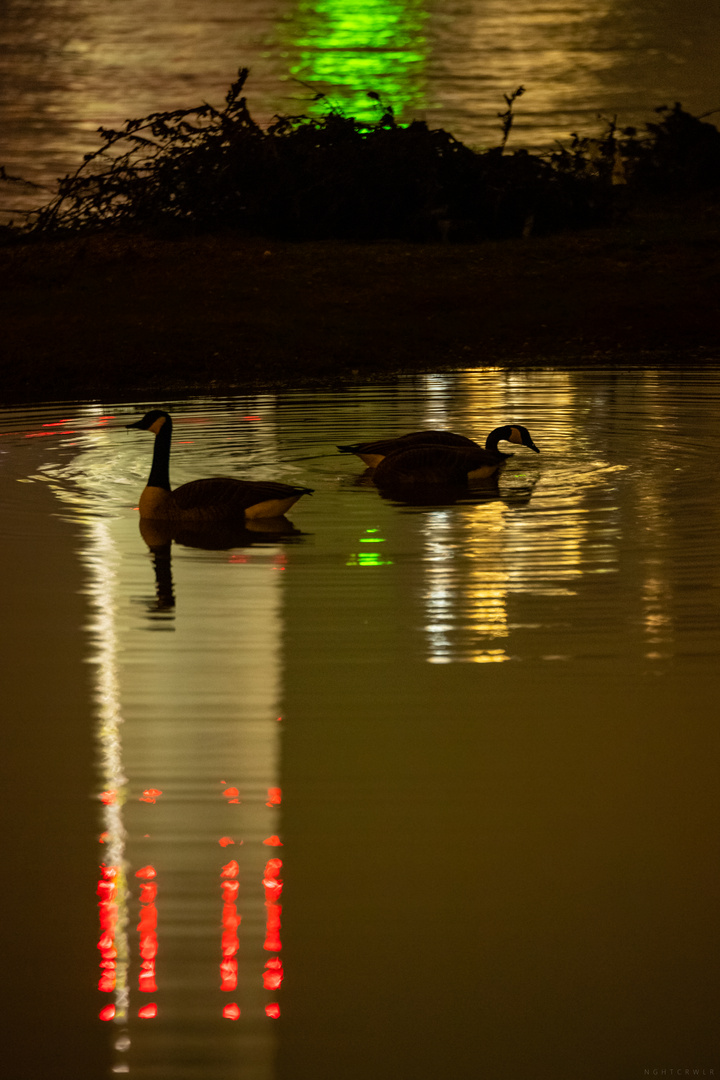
column 514, row 433
column 151, row 421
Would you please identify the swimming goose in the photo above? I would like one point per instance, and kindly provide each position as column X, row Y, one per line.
column 219, row 498
column 372, row 453
column 439, row 465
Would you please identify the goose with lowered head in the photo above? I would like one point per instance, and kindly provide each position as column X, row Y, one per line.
column 412, row 463
column 218, row 498
column 372, row 453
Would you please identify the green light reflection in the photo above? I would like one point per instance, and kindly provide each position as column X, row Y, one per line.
column 369, row 558
column 355, row 46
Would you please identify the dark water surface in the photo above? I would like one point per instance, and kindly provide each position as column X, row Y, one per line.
column 474, row 747
column 71, row 66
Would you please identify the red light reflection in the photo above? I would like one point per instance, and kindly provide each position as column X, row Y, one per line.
column 108, row 917
column 274, row 796
column 273, row 868
column 107, row 1012
column 231, row 1012
column 148, row 1011
column 273, row 841
column 273, row 888
column 273, row 974
column 228, row 974
column 272, row 1010
column 230, row 890
column 147, row 927
column 224, row 841
column 229, row 942
column 150, row 795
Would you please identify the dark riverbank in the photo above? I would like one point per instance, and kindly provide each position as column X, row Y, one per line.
column 135, row 316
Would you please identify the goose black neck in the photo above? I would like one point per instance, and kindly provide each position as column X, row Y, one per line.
column 160, row 471
column 491, row 443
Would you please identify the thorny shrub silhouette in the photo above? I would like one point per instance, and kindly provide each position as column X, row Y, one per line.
column 206, row 169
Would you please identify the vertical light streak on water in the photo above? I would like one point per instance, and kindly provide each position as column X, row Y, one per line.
column 367, row 45
column 203, row 727
column 487, row 590
column 189, row 715
column 439, row 587
column 656, row 589
column 101, row 560
column 549, row 526
column 466, row 592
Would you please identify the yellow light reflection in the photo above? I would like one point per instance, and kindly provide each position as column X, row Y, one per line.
column 466, row 591
column 542, row 532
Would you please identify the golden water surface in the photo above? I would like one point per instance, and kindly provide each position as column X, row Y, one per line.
column 399, row 791
column 71, row 66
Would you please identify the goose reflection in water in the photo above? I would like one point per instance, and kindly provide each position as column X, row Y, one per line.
column 468, row 494
column 216, row 536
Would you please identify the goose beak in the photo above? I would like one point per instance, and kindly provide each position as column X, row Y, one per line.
column 532, row 446
column 137, row 424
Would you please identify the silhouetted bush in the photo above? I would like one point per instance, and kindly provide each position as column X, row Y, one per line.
column 679, row 154
column 205, row 169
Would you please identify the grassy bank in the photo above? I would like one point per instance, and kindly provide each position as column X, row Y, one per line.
column 127, row 315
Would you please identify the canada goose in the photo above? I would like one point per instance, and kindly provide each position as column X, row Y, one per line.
column 372, row 453
column 219, row 498
column 442, row 465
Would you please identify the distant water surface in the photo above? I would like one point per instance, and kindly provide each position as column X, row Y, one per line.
column 422, row 790
column 71, row 67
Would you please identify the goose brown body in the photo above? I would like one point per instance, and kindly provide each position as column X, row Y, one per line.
column 215, row 499
column 435, row 464
column 372, row 453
